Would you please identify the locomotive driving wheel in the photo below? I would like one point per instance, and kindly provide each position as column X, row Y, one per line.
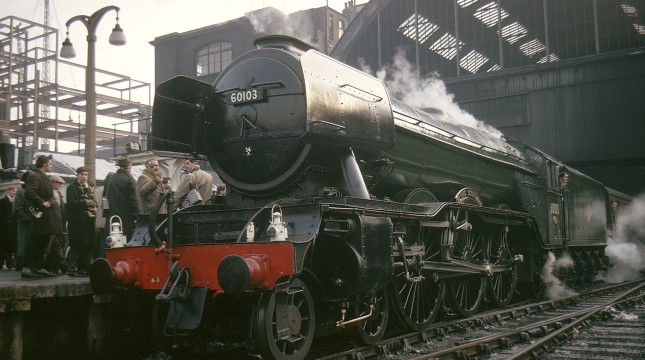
column 466, row 292
column 417, row 294
column 284, row 322
column 501, row 285
column 371, row 330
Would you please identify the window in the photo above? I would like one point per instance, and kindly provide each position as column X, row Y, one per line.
column 213, row 58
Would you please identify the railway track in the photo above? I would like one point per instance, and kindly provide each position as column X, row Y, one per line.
column 618, row 335
column 528, row 330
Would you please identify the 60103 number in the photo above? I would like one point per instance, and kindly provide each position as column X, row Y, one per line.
column 245, row 96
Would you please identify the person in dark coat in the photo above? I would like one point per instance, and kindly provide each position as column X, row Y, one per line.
column 40, row 193
column 55, row 261
column 81, row 214
column 8, row 228
column 122, row 196
column 100, row 196
column 24, row 222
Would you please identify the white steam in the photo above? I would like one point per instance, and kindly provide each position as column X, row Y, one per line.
column 555, row 289
column 626, row 247
column 271, row 21
column 403, row 83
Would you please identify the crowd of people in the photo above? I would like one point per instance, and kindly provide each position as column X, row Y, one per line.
column 45, row 233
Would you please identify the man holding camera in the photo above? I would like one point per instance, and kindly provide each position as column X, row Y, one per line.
column 149, row 186
column 81, row 214
column 194, row 179
column 40, row 194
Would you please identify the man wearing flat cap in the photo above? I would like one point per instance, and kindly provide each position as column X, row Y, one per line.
column 122, row 196
column 81, row 211
column 54, row 258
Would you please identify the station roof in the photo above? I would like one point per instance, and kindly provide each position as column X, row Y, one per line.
column 487, row 35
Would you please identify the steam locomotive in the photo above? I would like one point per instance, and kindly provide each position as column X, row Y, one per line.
column 344, row 205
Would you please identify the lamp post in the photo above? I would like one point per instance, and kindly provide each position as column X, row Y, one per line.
column 67, row 51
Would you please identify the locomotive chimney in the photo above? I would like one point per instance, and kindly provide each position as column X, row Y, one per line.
column 283, row 42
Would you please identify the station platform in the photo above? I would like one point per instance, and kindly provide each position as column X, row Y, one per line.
column 14, row 288
column 54, row 317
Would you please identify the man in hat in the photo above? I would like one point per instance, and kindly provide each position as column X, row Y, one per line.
column 40, row 194
column 81, row 211
column 564, row 179
column 8, row 228
column 195, row 178
column 54, row 258
column 20, row 213
column 149, row 186
column 122, row 196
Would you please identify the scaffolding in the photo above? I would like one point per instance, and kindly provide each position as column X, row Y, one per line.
column 24, row 93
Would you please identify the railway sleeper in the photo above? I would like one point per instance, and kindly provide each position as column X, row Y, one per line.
column 506, row 343
column 484, row 349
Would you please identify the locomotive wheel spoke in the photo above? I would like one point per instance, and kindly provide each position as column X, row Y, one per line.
column 371, row 330
column 416, row 296
column 501, row 284
column 467, row 292
column 300, row 313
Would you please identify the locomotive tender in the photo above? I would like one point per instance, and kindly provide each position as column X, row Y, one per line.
column 345, row 204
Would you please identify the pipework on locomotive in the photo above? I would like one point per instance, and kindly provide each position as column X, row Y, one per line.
column 345, row 206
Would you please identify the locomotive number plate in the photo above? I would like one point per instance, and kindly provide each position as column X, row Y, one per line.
column 245, row 96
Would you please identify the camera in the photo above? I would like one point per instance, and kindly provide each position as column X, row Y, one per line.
column 36, row 214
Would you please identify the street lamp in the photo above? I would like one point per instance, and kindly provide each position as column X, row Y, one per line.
column 67, row 51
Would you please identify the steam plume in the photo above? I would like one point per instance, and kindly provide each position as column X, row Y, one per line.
column 555, row 289
column 626, row 247
column 404, row 84
column 272, row 21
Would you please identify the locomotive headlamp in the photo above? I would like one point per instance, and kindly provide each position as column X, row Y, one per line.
column 277, row 230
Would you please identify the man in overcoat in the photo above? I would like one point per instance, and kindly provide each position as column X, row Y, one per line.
column 149, row 186
column 195, row 178
column 40, row 194
column 122, row 196
column 8, row 228
column 20, row 213
column 81, row 214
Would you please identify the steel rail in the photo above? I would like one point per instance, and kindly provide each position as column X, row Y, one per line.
column 552, row 326
column 531, row 351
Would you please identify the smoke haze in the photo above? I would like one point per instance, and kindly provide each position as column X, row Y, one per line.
column 626, row 246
